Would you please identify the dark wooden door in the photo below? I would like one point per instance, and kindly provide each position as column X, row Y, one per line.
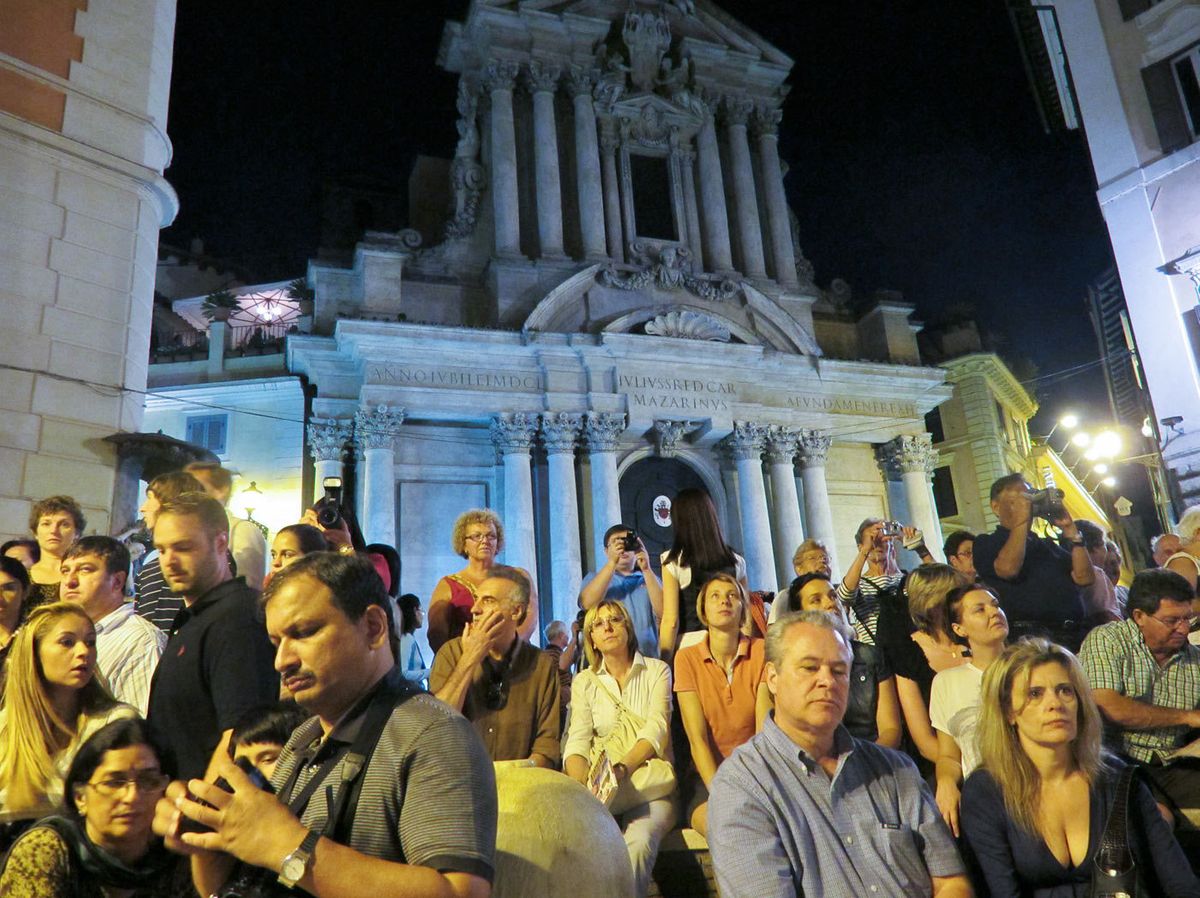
column 646, row 483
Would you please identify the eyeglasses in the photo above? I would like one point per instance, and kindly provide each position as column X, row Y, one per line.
column 481, row 538
column 611, row 622
column 1174, row 623
column 145, row 782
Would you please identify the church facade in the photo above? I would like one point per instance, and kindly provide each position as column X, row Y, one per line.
column 612, row 305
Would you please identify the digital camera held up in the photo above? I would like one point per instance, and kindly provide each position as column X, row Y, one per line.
column 1047, row 503
column 329, row 509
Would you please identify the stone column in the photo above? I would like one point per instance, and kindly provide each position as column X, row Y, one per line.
column 766, row 129
column 590, row 192
column 376, row 433
column 746, row 442
column 916, row 458
column 736, row 114
column 560, row 430
column 513, row 436
column 714, row 220
column 785, row 504
column 542, row 79
column 729, row 480
column 601, row 431
column 612, row 188
column 889, row 469
column 687, row 161
column 498, row 78
column 326, row 439
column 812, row 448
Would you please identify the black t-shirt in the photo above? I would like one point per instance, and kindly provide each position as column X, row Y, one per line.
column 217, row 665
column 1043, row 591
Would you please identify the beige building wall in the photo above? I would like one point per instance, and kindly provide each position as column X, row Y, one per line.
column 83, row 145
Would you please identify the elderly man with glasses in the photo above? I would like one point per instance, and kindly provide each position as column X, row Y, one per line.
column 506, row 687
column 1146, row 679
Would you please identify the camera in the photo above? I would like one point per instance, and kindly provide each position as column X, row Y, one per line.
column 329, row 509
column 1047, row 503
column 188, row 825
column 630, row 541
column 891, row 529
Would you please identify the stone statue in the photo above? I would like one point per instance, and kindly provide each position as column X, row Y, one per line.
column 647, row 37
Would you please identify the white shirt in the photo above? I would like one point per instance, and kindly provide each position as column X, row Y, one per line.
column 954, row 701
column 127, row 651
column 248, row 547
column 594, row 713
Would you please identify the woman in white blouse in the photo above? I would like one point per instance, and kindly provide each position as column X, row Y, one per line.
column 618, row 674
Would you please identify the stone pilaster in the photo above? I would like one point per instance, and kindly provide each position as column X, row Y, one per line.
column 513, row 435
column 376, row 430
column 560, row 433
column 746, row 444
column 714, row 216
column 691, row 206
column 736, row 112
column 609, row 141
column 766, row 130
column 786, row 528
column 602, row 431
column 542, row 79
column 812, row 449
column 498, row 80
column 589, row 189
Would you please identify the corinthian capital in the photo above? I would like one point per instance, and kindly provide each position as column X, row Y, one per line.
column 377, row 428
column 500, row 75
column 602, row 430
column 327, row 437
column 560, row 431
column 781, row 444
column 514, row 432
column 542, row 76
column 909, row 453
column 765, row 121
column 813, row 448
column 580, row 81
column 736, row 110
column 747, row 440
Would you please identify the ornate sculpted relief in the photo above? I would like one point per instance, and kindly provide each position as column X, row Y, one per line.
column 647, row 38
column 466, row 174
column 688, row 325
column 670, row 272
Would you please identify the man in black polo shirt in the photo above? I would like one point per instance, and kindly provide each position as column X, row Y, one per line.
column 1037, row 579
column 218, row 662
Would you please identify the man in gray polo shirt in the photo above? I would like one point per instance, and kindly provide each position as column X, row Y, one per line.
column 425, row 818
column 806, row 808
column 1145, row 676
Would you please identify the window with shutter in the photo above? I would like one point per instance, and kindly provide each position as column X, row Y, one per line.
column 208, row 432
column 1164, row 82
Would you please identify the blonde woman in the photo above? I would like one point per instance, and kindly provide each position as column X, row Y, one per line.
column 52, row 704
column 721, row 685
column 1033, row 814
column 478, row 536
column 619, row 675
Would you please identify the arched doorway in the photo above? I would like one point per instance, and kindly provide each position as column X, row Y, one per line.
column 642, row 485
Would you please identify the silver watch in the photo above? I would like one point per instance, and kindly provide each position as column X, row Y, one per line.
column 295, row 864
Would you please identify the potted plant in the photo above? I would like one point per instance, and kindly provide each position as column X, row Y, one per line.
column 219, row 305
column 303, row 294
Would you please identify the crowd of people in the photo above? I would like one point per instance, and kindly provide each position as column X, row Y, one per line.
column 1013, row 722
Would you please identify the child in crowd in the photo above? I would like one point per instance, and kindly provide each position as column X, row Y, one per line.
column 260, row 734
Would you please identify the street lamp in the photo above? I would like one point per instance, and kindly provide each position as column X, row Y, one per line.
column 1082, row 439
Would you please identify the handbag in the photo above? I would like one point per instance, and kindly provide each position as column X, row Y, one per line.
column 652, row 779
column 1114, row 871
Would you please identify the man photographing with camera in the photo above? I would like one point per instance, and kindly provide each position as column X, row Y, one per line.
column 628, row 578
column 1038, row 579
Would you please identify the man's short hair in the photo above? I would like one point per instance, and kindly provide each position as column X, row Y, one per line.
column 221, row 478
column 1014, row 479
column 172, row 485
column 809, row 545
column 202, row 506
column 1155, row 542
column 352, row 581
column 113, row 551
column 1091, row 533
column 616, row 528
column 54, row 505
column 778, row 630
column 515, row 577
column 1151, row 586
column 267, row 724
column 555, row 629
column 955, row 540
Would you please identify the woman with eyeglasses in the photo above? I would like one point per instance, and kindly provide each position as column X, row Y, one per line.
column 1034, row 812
column 99, row 844
column 624, row 697
column 52, row 704
column 478, row 536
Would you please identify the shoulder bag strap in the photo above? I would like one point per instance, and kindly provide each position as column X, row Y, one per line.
column 1114, row 843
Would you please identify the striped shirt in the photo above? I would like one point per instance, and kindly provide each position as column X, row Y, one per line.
column 864, row 601
column 127, row 651
column 154, row 600
column 428, row 794
column 1115, row 657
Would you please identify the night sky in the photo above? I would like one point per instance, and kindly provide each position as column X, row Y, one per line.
column 918, row 160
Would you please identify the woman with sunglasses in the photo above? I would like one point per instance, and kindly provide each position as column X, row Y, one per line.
column 478, row 536
column 624, row 693
column 52, row 704
column 100, row 844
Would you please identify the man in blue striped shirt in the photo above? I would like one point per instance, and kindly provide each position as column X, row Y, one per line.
column 805, row 808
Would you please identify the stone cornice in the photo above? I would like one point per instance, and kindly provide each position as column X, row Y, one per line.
column 999, row 378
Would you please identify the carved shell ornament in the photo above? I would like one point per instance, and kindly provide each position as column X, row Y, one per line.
column 688, row 325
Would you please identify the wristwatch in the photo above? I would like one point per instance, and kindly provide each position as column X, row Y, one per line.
column 295, row 865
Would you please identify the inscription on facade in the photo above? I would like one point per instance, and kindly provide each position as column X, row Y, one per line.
column 691, row 394
column 454, row 378
column 844, row 406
